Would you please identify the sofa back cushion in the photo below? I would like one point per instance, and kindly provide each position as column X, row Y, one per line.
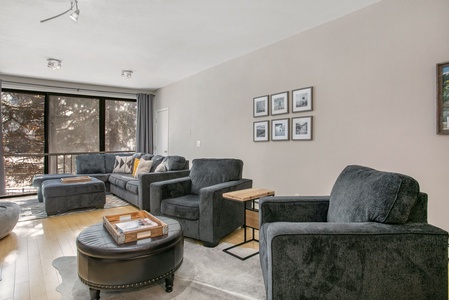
column 211, row 171
column 90, row 164
column 362, row 194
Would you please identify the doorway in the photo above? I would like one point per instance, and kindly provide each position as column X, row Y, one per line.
column 161, row 132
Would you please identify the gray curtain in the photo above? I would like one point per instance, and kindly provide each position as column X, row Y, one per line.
column 144, row 138
column 2, row 161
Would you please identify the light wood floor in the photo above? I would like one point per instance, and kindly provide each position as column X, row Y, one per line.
column 27, row 253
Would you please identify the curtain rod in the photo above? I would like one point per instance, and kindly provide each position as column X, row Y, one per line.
column 70, row 88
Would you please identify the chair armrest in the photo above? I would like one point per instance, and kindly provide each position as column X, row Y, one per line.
column 146, row 179
column 293, row 209
column 167, row 189
column 358, row 258
column 219, row 214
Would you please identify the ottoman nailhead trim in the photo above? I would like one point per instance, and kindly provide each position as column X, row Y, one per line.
column 130, row 285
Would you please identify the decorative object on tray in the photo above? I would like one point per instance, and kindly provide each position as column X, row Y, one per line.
column 443, row 98
column 261, row 131
column 279, row 130
column 260, row 105
column 130, row 227
column 76, row 179
column 302, row 99
column 302, row 128
column 279, row 103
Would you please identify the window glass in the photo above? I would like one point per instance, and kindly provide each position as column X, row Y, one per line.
column 120, row 125
column 23, row 139
column 73, row 124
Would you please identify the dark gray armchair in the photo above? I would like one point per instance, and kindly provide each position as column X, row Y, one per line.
column 197, row 203
column 368, row 240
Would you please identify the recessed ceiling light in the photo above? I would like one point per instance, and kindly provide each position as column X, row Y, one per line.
column 127, row 74
column 54, row 64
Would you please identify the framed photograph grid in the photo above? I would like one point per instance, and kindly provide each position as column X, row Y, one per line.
column 296, row 128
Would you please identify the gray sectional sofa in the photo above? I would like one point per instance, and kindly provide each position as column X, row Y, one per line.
column 134, row 190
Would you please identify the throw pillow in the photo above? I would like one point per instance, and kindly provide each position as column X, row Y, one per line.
column 123, row 164
column 160, row 168
column 144, row 167
column 135, row 164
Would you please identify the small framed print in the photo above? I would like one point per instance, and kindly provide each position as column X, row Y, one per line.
column 261, row 131
column 443, row 98
column 279, row 103
column 260, row 105
column 302, row 128
column 302, row 99
column 279, row 130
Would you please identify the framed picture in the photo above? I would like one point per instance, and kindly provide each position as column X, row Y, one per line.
column 279, row 130
column 443, row 98
column 279, row 103
column 261, row 131
column 302, row 99
column 260, row 105
column 302, row 128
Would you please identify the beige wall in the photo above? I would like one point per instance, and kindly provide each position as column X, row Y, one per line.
column 373, row 74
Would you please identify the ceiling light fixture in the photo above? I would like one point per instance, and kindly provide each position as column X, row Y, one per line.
column 74, row 16
column 127, row 74
column 54, row 64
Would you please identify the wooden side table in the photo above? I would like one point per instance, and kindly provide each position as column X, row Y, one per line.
column 251, row 214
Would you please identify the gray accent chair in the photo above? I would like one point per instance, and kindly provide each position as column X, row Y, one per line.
column 196, row 201
column 368, row 240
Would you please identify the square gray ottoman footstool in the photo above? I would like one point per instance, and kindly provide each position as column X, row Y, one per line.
column 61, row 197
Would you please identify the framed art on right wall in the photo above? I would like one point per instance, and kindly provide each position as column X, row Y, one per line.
column 302, row 99
column 302, row 128
column 443, row 98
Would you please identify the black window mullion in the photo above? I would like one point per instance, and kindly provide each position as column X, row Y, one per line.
column 102, row 126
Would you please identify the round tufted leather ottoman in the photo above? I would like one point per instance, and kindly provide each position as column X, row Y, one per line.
column 104, row 264
column 9, row 215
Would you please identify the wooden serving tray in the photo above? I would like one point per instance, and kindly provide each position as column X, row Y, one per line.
column 76, row 179
column 109, row 223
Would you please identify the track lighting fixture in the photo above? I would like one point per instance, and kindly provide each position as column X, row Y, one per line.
column 74, row 15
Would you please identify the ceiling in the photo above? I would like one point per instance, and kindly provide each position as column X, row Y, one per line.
column 161, row 41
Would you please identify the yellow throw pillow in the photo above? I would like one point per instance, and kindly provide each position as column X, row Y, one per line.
column 136, row 163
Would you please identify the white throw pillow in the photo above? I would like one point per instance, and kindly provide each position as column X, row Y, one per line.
column 123, row 164
column 160, row 168
column 143, row 167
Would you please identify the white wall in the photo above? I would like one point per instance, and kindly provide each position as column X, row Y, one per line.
column 373, row 74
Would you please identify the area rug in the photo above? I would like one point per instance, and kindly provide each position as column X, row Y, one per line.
column 206, row 273
column 32, row 209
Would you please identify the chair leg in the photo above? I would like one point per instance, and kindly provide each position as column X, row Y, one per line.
column 209, row 244
column 169, row 283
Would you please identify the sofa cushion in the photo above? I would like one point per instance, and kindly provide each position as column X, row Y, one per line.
column 173, row 163
column 211, row 171
column 185, row 207
column 362, row 194
column 120, row 179
column 123, row 164
column 90, row 163
column 157, row 159
column 133, row 186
